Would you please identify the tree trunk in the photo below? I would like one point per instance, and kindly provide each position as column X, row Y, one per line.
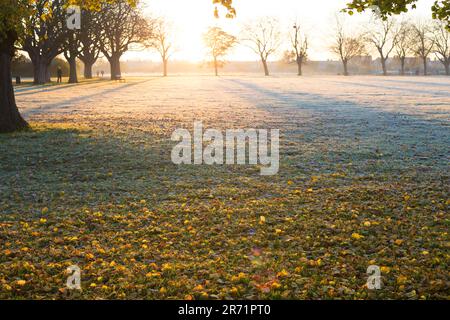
column 114, row 62
column 10, row 118
column 88, row 69
column 383, row 66
column 73, row 77
column 402, row 62
column 48, row 77
column 165, row 63
column 299, row 66
column 41, row 72
column 216, row 68
column 447, row 67
column 425, row 66
column 266, row 68
column 345, row 63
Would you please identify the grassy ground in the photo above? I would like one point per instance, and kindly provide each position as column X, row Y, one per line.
column 363, row 181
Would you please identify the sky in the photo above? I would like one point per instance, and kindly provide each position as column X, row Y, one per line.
column 190, row 19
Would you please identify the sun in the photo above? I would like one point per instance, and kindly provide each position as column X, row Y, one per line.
column 190, row 20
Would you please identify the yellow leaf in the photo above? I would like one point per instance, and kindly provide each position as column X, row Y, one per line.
column 89, row 256
column 198, row 288
column 21, row 283
column 299, row 269
column 276, row 285
column 357, row 236
column 385, row 269
column 153, row 274
column 282, row 273
column 401, row 279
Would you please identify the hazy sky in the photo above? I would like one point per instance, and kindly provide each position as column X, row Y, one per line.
column 190, row 19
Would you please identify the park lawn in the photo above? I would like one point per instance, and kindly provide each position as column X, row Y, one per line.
column 101, row 193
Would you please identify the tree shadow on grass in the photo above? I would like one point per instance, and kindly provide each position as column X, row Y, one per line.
column 66, row 166
column 344, row 135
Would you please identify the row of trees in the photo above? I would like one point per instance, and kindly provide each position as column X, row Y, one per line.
column 384, row 37
column 109, row 31
column 264, row 38
column 387, row 38
column 119, row 25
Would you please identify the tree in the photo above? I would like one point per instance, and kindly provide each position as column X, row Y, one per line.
column 403, row 43
column 122, row 26
column 423, row 42
column 162, row 42
column 219, row 43
column 383, row 37
column 10, row 14
column 299, row 42
column 442, row 45
column 44, row 36
column 440, row 9
column 71, row 53
column 346, row 46
column 89, row 41
column 264, row 38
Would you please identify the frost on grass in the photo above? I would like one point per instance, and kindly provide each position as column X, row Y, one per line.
column 363, row 181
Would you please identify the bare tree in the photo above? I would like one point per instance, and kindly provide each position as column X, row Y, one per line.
column 346, row 46
column 122, row 26
column 219, row 43
column 162, row 42
column 403, row 43
column 442, row 45
column 383, row 37
column 264, row 38
column 423, row 43
column 299, row 42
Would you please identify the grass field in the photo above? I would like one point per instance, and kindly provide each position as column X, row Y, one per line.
column 363, row 180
